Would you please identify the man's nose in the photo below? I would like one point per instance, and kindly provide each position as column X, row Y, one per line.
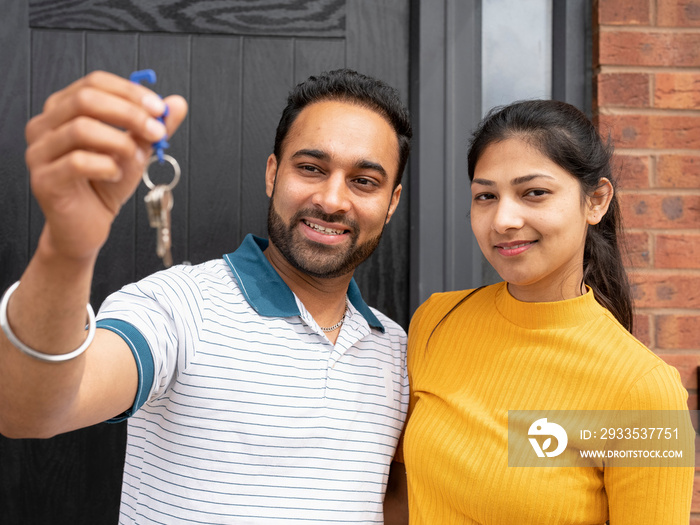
column 333, row 194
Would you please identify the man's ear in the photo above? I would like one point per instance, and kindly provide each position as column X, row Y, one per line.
column 270, row 174
column 599, row 201
column 395, row 197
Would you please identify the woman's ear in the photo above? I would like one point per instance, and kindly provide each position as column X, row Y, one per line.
column 599, row 201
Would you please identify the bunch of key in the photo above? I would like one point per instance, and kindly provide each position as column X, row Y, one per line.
column 159, row 204
column 159, row 200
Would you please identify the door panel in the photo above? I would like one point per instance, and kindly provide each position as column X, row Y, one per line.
column 235, row 66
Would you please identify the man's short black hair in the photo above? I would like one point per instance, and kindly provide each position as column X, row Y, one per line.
column 346, row 85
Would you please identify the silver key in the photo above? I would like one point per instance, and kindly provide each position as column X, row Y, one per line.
column 159, row 203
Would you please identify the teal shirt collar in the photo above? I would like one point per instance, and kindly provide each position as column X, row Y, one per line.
column 265, row 290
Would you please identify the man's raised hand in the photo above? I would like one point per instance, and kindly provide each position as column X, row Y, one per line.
column 86, row 154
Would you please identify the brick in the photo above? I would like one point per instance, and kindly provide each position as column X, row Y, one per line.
column 679, row 332
column 623, row 12
column 678, row 171
column 631, row 171
column 642, row 327
column 652, row 131
column 651, row 290
column 636, row 249
column 677, row 90
column 660, row 211
column 695, row 503
column 629, row 90
column 678, row 251
column 678, row 13
column 626, row 48
column 686, row 364
column 595, row 51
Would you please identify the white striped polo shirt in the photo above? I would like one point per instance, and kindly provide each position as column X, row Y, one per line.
column 245, row 412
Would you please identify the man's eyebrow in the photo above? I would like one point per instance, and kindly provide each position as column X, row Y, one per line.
column 515, row 181
column 315, row 153
column 360, row 164
column 369, row 165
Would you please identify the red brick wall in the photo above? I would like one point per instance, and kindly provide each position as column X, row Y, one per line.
column 646, row 94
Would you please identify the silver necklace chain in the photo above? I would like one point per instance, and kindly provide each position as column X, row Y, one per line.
column 336, row 325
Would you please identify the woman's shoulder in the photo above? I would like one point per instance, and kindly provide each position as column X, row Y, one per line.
column 440, row 305
column 653, row 384
column 624, row 343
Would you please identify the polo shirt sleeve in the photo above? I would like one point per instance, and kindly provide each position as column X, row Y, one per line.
column 156, row 318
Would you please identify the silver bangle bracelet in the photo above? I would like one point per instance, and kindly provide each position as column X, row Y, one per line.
column 41, row 356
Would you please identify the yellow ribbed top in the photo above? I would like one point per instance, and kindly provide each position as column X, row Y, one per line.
column 494, row 353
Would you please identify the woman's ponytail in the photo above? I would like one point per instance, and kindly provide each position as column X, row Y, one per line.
column 603, row 270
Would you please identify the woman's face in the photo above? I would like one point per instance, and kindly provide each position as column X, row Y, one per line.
column 530, row 219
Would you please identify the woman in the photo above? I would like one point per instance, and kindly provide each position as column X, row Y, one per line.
column 553, row 336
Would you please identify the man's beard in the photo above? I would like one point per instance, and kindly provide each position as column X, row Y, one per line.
column 316, row 259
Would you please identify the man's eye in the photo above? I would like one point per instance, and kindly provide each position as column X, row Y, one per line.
column 363, row 181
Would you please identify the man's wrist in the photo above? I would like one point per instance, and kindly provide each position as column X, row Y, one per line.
column 51, row 259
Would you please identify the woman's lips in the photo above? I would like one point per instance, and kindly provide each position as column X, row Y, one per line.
column 510, row 249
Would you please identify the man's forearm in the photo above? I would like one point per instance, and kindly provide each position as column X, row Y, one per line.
column 47, row 313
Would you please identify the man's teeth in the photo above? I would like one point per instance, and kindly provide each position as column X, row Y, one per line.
column 328, row 231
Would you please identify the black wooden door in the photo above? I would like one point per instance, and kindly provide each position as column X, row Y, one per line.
column 234, row 62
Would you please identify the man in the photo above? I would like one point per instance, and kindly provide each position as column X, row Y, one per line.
column 259, row 387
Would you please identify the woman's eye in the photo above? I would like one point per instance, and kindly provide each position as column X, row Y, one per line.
column 536, row 193
column 484, row 196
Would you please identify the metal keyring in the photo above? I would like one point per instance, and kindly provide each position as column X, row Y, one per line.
column 176, row 170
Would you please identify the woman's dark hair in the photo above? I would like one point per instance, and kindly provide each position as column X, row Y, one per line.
column 568, row 138
column 347, row 85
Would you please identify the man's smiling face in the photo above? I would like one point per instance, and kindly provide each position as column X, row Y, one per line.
column 332, row 191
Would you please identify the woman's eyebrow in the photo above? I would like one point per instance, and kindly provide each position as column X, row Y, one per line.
column 515, row 181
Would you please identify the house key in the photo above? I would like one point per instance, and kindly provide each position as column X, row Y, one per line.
column 159, row 203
